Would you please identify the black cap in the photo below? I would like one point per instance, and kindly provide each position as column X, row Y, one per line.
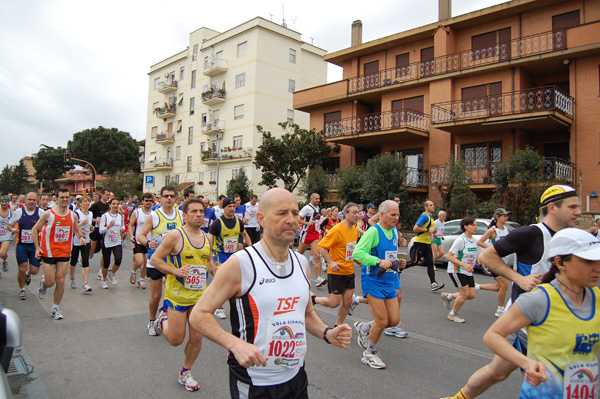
column 228, row 201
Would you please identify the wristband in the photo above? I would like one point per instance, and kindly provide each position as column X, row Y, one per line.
column 325, row 335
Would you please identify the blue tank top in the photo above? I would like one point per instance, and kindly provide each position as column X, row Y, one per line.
column 386, row 249
column 26, row 223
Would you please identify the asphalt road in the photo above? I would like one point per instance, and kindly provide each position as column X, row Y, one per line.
column 102, row 350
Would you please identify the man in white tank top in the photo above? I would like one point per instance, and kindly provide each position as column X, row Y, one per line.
column 272, row 312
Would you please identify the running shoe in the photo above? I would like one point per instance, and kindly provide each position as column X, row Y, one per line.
column 151, row 329
column 27, row 278
column 446, row 299
column 320, row 282
column 132, row 276
column 103, row 284
column 395, row 332
column 354, row 304
column 72, row 284
column 22, row 294
column 500, row 311
column 455, row 318
column 437, row 286
column 188, row 381
column 42, row 290
column 158, row 323
column 141, row 284
column 372, row 360
column 220, row 313
column 4, row 265
column 362, row 338
column 112, row 278
column 99, row 276
column 86, row 288
column 55, row 313
column 477, row 287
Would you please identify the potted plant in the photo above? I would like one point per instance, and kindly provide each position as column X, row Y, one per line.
column 200, row 183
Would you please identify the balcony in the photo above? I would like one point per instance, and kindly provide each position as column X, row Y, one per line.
column 167, row 86
column 415, row 179
column 482, row 174
column 373, row 129
column 158, row 164
column 166, row 112
column 165, row 138
column 213, row 96
column 215, row 67
column 543, row 109
column 519, row 48
column 227, row 155
column 213, row 127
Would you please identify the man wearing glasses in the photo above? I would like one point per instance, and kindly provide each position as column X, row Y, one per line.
column 140, row 252
column 159, row 224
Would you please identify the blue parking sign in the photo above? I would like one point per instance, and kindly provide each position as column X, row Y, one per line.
column 149, row 179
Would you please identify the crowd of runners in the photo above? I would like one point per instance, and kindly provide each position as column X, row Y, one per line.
column 246, row 252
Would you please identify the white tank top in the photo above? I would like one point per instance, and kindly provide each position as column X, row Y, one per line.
column 140, row 218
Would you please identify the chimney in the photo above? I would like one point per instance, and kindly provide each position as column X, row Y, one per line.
column 445, row 10
column 357, row 32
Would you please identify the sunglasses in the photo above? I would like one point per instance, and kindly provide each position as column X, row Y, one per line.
column 168, row 195
column 148, row 200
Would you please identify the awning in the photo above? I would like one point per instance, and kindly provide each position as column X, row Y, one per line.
column 179, row 124
column 184, row 185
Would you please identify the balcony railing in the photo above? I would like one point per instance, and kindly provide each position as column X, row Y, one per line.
column 401, row 119
column 166, row 112
column 531, row 100
column 227, row 155
column 167, row 86
column 213, row 96
column 333, row 179
column 160, row 163
column 213, row 126
column 483, row 173
column 165, row 137
column 524, row 47
column 417, row 177
column 215, row 67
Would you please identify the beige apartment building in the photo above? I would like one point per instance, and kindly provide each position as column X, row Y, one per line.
column 205, row 102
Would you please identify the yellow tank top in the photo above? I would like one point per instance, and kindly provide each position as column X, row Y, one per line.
column 425, row 237
column 227, row 241
column 185, row 291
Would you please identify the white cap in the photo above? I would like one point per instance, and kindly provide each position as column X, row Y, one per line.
column 576, row 242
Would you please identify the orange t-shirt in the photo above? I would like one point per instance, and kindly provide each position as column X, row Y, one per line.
column 340, row 242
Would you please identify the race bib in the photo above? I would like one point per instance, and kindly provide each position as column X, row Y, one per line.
column 62, row 233
column 26, row 237
column 196, row 278
column 581, row 380
column 350, row 250
column 286, row 342
column 205, row 224
column 239, row 216
column 470, row 261
column 2, row 230
column 113, row 235
column 230, row 245
column 391, row 255
column 85, row 230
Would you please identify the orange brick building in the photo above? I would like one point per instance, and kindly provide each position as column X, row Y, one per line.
column 481, row 85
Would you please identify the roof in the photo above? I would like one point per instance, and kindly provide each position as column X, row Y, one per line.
column 184, row 185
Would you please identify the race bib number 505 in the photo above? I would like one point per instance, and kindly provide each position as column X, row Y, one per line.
column 196, row 278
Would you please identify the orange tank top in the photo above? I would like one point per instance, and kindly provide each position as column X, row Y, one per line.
column 57, row 235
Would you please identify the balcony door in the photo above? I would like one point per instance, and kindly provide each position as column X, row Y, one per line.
column 558, row 150
column 427, row 64
column 332, row 125
column 400, row 115
column 560, row 23
column 481, row 159
column 371, row 75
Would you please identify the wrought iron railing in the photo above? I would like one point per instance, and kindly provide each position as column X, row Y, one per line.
column 524, row 47
column 166, row 136
column 530, row 100
column 333, row 179
column 167, row 84
column 161, row 162
column 417, row 177
column 213, row 126
column 559, row 169
column 209, row 95
column 401, row 119
column 166, row 110
column 217, row 63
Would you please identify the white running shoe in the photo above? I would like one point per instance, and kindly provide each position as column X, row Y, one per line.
column 103, row 284
column 55, row 313
column 112, row 278
column 99, row 276
column 361, row 338
column 72, row 284
column 320, row 281
column 4, row 265
column 372, row 360
column 354, row 304
column 141, row 284
column 395, row 332
column 42, row 290
column 220, row 314
column 455, row 318
column 158, row 323
column 132, row 276
column 22, row 294
column 151, row 329
column 477, row 287
column 188, row 381
column 446, row 299
column 437, row 286
column 500, row 311
column 86, row 288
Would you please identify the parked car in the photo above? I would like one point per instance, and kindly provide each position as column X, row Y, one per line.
column 452, row 231
column 10, row 340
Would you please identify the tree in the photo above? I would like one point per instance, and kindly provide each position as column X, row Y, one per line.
column 109, row 150
column 384, row 175
column 517, row 184
column 316, row 181
column 18, row 178
column 240, row 185
column 350, row 183
column 125, row 183
column 5, row 180
column 452, row 182
column 49, row 164
column 289, row 157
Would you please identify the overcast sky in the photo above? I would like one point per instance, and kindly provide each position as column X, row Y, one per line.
column 70, row 65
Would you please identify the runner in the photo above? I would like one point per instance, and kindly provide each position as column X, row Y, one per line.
column 337, row 248
column 140, row 252
column 366, row 218
column 309, row 235
column 559, row 208
column 21, row 223
column 497, row 230
column 14, row 203
column 422, row 245
column 283, row 299
column 218, row 209
column 595, row 230
column 565, row 306
column 5, row 232
column 331, row 220
column 251, row 226
column 190, row 254
column 56, row 226
column 240, row 210
column 85, row 226
column 209, row 215
column 155, row 227
column 98, row 209
column 377, row 251
column 461, row 262
column 44, row 199
column 112, row 226
column 189, row 193
column 437, row 247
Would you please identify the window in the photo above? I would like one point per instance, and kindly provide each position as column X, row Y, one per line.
column 195, row 53
column 156, row 83
column 181, row 73
column 292, row 86
column 235, row 172
column 241, row 49
column 176, row 179
column 238, row 112
column 200, row 176
column 238, row 141
column 194, row 79
column 332, row 123
column 481, row 160
column 167, row 180
column 292, row 55
column 169, row 153
column 491, row 44
column 154, row 132
column 170, row 127
column 213, row 175
column 404, row 107
column 156, row 105
column 371, row 74
column 178, row 153
column 204, row 119
column 214, row 145
column 202, row 147
column 560, row 23
column 179, row 126
column 189, row 164
column 191, row 135
column 240, row 80
column 290, row 116
column 483, row 98
column 192, row 105
column 427, row 64
column 180, row 101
